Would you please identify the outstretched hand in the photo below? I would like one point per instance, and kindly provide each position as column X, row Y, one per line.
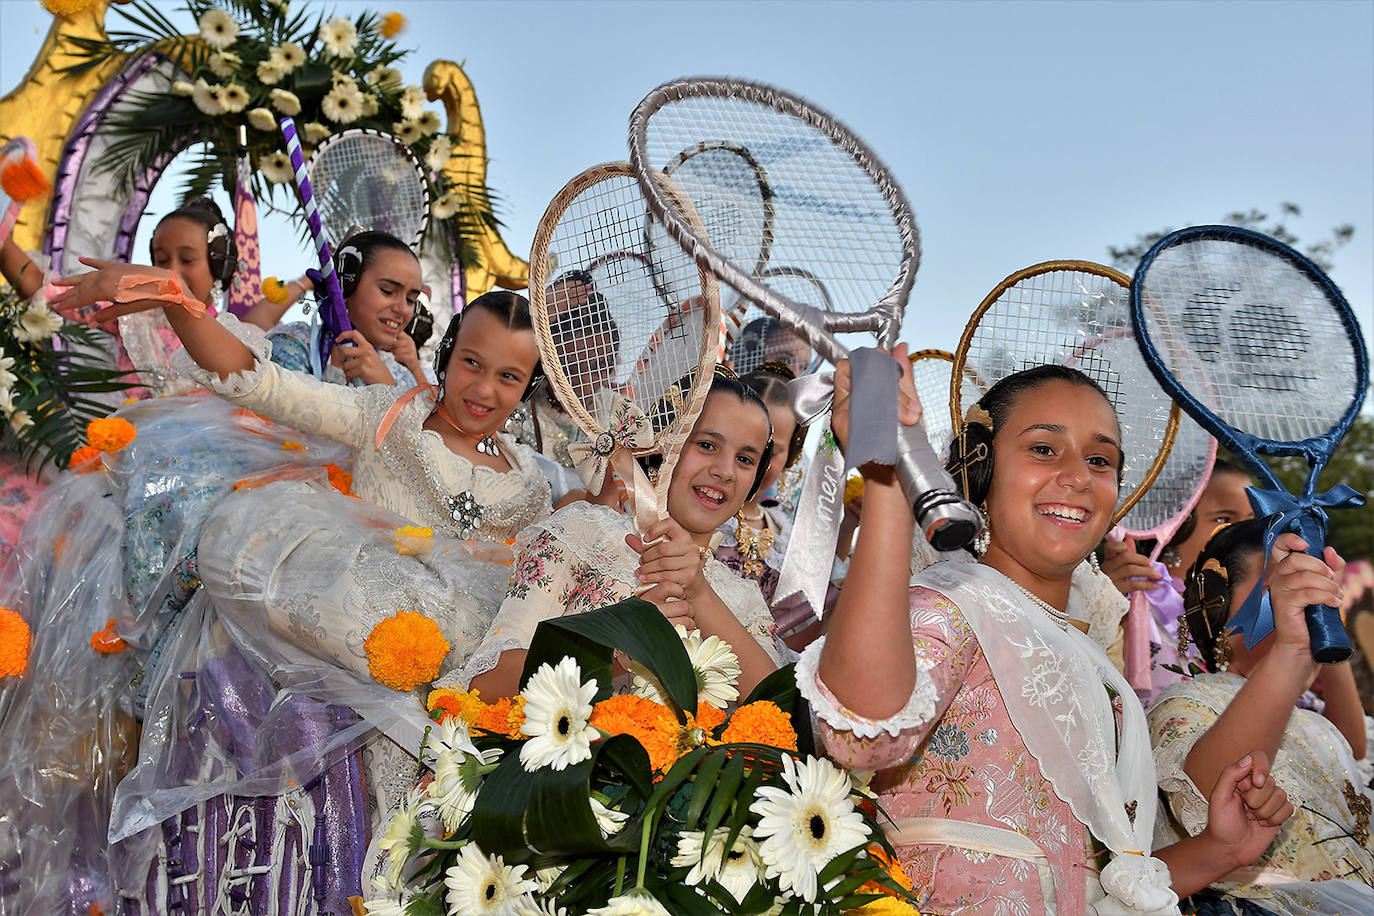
column 101, row 285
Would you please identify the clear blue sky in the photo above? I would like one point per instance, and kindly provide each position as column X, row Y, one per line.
column 1020, row 131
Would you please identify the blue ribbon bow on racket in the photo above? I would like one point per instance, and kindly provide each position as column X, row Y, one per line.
column 1306, row 516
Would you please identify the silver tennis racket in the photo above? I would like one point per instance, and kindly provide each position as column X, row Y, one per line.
column 363, row 177
column 836, row 210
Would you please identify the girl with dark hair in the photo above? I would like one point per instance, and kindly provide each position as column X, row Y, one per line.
column 1322, row 860
column 1014, row 759
column 585, row 556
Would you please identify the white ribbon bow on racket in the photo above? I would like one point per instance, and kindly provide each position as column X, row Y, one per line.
column 630, row 430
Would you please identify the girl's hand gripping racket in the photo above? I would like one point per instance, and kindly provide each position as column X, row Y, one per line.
column 1285, row 371
column 837, row 213
column 333, row 310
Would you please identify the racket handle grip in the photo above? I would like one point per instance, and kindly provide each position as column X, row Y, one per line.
column 1330, row 642
column 947, row 519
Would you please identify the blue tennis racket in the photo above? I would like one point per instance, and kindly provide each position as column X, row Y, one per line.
column 1285, row 371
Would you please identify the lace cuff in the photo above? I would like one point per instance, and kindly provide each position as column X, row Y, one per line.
column 918, row 710
column 237, row 384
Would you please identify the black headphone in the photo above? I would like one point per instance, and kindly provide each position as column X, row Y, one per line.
column 348, row 264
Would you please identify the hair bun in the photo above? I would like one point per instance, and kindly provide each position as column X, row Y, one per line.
column 777, row 367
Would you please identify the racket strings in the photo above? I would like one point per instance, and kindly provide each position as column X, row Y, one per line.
column 1175, row 490
column 1275, row 354
column 369, row 180
column 931, row 371
column 830, row 217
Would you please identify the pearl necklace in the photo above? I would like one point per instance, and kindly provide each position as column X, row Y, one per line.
column 1060, row 618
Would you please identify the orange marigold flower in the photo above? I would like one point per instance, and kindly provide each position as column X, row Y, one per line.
column 709, row 717
column 894, row 871
column 107, row 641
column 884, row 906
column 340, row 479
column 504, row 717
column 84, row 460
column 761, row 723
column 274, row 291
column 652, row 724
column 405, row 650
column 392, row 24
column 465, row 704
column 110, row 434
column 15, row 641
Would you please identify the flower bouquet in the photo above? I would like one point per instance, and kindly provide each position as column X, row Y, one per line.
column 567, row 799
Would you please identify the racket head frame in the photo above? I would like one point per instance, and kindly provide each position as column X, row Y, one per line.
column 403, row 150
column 1247, row 447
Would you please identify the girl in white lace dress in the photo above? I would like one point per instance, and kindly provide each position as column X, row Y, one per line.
column 585, row 556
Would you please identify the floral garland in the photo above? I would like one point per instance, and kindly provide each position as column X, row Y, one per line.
column 568, row 799
column 250, row 63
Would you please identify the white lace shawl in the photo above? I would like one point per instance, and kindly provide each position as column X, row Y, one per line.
column 595, row 535
column 413, row 473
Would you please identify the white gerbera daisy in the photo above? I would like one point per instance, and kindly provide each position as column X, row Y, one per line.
column 444, row 207
column 7, row 378
column 276, row 168
column 395, row 843
column 315, row 132
column 218, row 28
column 429, row 123
column 545, row 877
column 387, row 79
column 801, row 828
column 713, row 662
column 340, row 37
column 407, row 132
column 557, row 707
column 20, row 420
column 386, row 902
column 482, row 886
column 412, row 102
column 636, row 902
column 224, row 63
column 453, row 790
column 292, row 54
column 270, row 72
column 608, row 820
column 262, row 119
column 206, row 98
column 528, row 906
column 182, row 88
column 370, row 105
column 343, row 104
column 738, row 871
column 438, row 154
column 37, row 323
column 233, row 97
column 6, row 402
column 289, row 104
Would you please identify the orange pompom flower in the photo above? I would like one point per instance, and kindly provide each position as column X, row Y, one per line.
column 110, row 434
column 708, row 717
column 504, row 717
column 15, row 641
column 392, row 24
column 107, row 641
column 894, row 871
column 761, row 723
column 652, row 724
column 405, row 650
column 444, row 703
column 274, row 291
column 340, row 479
column 85, row 460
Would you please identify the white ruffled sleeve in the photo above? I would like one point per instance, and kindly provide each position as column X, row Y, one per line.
column 919, row 709
column 292, row 398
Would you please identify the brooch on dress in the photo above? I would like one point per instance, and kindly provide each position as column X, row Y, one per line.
column 466, row 512
column 487, row 446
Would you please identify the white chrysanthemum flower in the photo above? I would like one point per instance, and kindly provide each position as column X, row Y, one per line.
column 385, row 78
column 206, row 98
column 6, row 402
column 386, row 902
column 292, row 54
column 438, row 154
column 801, row 828
column 407, row 132
column 395, row 843
column 182, row 88
column 412, row 102
column 262, row 119
column 713, row 662
column 482, row 886
column 270, row 72
column 340, row 37
column 224, row 63
column 218, row 28
column 276, row 168
column 343, row 104
column 608, row 820
column 289, row 104
column 557, row 707
column 315, row 132
column 233, row 97
column 370, row 105
column 7, row 378
column 636, row 902
column 429, row 123
column 445, row 207
column 20, row 420
column 37, row 323
column 738, row 871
